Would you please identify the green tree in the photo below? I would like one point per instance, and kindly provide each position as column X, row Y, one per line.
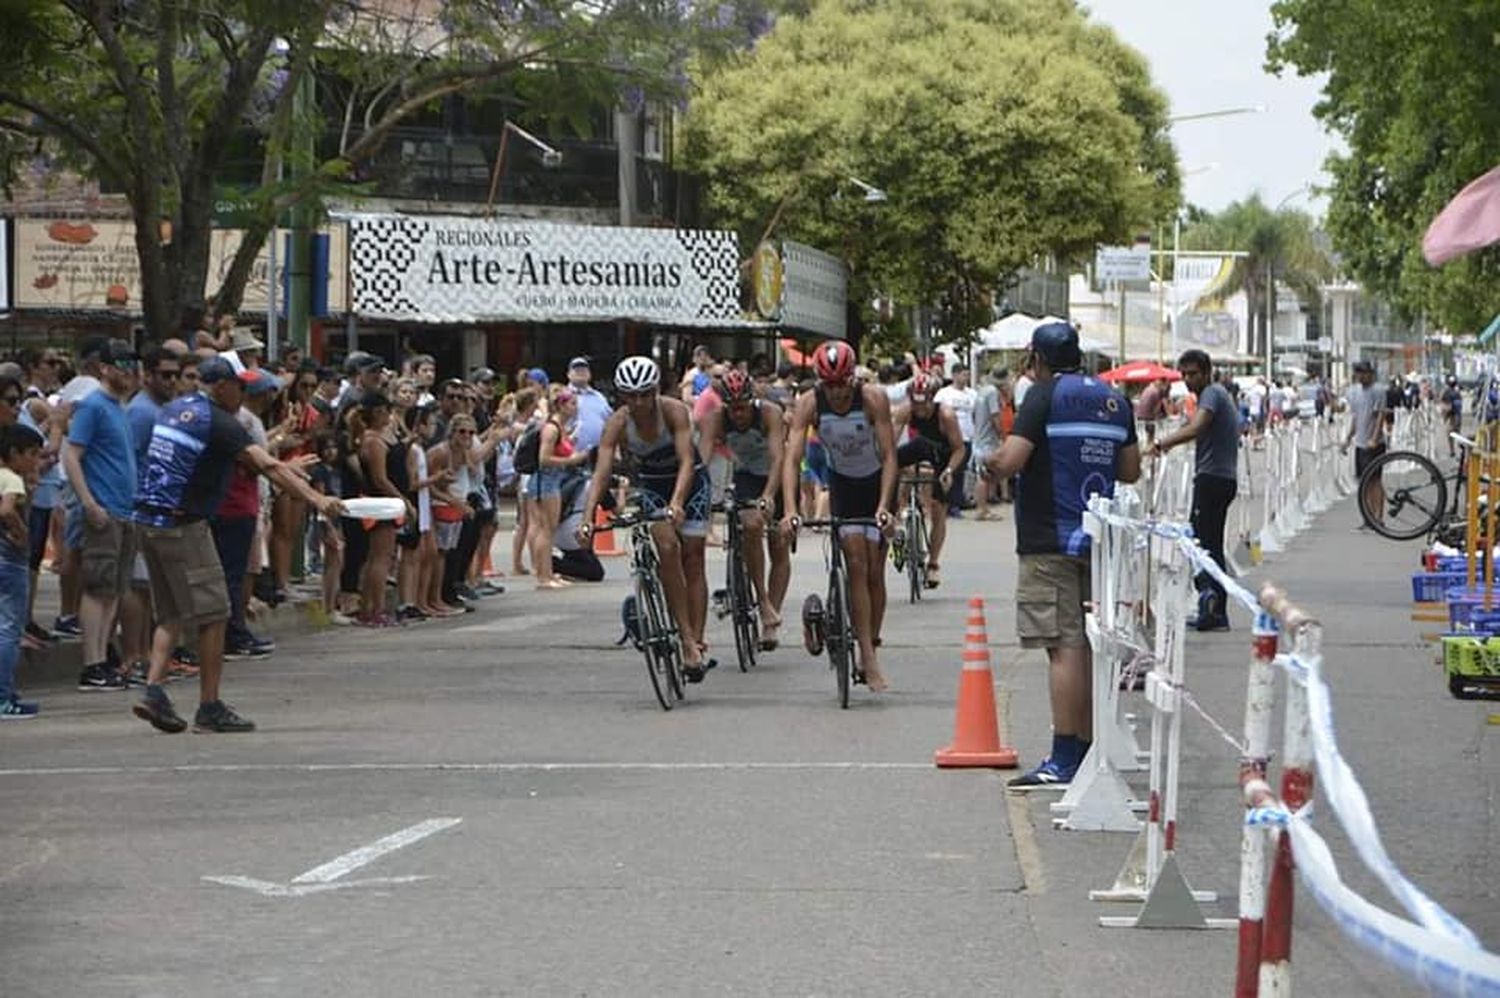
column 1281, row 245
column 1414, row 91
column 1001, row 130
column 146, row 95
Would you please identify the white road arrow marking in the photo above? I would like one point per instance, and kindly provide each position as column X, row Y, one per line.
column 325, row 877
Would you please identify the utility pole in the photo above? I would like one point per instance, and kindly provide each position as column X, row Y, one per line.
column 299, row 258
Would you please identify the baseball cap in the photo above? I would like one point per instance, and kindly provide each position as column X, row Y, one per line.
column 539, row 376
column 578, row 362
column 1057, row 344
column 1363, row 367
column 215, row 369
column 259, row 382
column 482, row 374
column 117, row 350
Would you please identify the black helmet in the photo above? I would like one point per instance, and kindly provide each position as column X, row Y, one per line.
column 1057, row 344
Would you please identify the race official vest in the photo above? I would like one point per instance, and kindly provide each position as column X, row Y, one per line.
column 178, row 441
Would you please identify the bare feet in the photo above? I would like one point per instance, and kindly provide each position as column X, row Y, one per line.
column 875, row 679
column 552, row 584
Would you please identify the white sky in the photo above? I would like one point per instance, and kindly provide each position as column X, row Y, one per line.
column 1208, row 55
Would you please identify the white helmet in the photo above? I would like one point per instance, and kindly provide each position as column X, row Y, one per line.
column 637, row 374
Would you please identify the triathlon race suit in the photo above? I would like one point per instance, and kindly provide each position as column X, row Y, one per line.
column 751, row 449
column 853, row 459
column 656, row 468
column 925, row 443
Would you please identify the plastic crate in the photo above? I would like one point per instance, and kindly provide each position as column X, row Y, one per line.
column 1458, row 564
column 1432, row 587
column 1462, row 604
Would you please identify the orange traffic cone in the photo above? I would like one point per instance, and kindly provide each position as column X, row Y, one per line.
column 976, row 732
column 604, row 540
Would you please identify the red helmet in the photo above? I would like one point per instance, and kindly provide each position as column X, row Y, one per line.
column 922, row 388
column 834, row 361
column 738, row 387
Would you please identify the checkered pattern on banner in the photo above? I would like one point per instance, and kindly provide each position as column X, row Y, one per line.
column 424, row 269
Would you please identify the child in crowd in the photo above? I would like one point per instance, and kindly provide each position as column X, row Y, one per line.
column 20, row 452
column 328, row 479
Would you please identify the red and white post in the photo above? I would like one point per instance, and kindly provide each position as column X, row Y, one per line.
column 1260, row 702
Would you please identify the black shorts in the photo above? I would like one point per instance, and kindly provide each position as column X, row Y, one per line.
column 1364, row 456
column 749, row 486
column 851, row 497
column 923, row 451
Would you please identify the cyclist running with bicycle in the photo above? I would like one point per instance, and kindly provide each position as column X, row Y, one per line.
column 935, row 441
column 754, row 430
column 853, row 421
column 657, row 433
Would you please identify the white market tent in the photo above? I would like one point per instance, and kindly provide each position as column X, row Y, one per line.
column 1014, row 333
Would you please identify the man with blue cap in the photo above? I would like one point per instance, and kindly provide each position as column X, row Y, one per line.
column 195, row 443
column 1074, row 437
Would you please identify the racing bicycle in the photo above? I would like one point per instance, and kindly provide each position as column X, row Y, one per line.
column 828, row 623
column 737, row 599
column 651, row 627
column 909, row 549
column 1404, row 495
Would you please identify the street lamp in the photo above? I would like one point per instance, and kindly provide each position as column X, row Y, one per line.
column 1220, row 113
column 551, row 159
column 1305, row 188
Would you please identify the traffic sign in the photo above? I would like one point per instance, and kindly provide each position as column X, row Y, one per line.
column 1122, row 263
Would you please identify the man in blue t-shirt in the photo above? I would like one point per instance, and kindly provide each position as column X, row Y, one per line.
column 1073, row 438
column 100, row 465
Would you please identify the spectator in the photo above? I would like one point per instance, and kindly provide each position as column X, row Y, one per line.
column 1370, row 408
column 593, row 408
column 558, row 457
column 526, row 412
column 379, row 450
column 100, row 465
column 295, row 424
column 960, row 398
column 1215, row 428
column 577, row 561
column 247, row 346
column 326, row 478
column 20, row 454
column 424, row 376
column 1096, row 444
column 1152, row 405
column 69, row 566
column 187, row 470
column 1453, row 410
column 987, row 417
column 699, row 378
column 234, row 526
column 34, row 412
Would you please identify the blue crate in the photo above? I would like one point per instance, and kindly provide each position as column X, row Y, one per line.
column 1432, row 587
column 1463, row 604
column 1485, row 622
column 1456, row 564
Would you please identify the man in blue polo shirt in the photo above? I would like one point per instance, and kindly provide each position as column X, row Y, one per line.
column 1074, row 437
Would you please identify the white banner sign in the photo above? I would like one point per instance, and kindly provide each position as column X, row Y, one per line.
column 816, row 291
column 1206, row 317
column 463, row 269
column 1122, row 263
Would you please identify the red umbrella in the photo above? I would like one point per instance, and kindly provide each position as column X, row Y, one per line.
column 1138, row 372
column 1471, row 221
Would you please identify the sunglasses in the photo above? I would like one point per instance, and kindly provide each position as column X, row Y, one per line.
column 126, row 365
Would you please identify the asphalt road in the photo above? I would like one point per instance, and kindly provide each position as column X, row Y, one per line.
column 574, row 839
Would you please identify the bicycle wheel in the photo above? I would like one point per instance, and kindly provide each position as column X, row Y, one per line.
column 840, row 632
column 648, row 600
column 742, row 614
column 1402, row 495
column 916, row 556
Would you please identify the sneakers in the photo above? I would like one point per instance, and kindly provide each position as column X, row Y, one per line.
column 101, row 679
column 137, row 675
column 159, row 713
column 1047, row 775
column 340, row 619
column 411, row 615
column 17, row 710
column 40, row 633
column 219, row 718
column 252, row 647
column 67, row 626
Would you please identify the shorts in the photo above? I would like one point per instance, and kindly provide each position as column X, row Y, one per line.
column 752, row 486
column 73, row 520
column 446, row 534
column 1051, row 590
column 815, row 464
column 545, row 484
column 923, row 451
column 851, row 497
column 187, row 579
column 656, row 493
column 1364, row 457
column 108, row 557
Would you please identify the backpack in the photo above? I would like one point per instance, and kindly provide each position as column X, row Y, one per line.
column 529, row 450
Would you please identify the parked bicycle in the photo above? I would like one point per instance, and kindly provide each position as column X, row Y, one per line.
column 1404, row 495
column 827, row 623
column 910, row 547
column 649, row 623
column 737, row 599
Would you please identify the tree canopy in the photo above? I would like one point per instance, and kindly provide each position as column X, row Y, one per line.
column 1414, row 90
column 146, row 95
column 1001, row 131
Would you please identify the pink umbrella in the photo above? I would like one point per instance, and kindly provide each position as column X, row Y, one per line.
column 1470, row 222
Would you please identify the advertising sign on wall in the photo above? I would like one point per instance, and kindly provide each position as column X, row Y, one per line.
column 225, row 243
column 461, row 269
column 817, row 291
column 1206, row 316
column 88, row 265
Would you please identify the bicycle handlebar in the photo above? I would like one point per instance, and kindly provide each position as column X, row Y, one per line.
column 632, row 520
column 724, row 506
column 842, row 521
column 920, row 480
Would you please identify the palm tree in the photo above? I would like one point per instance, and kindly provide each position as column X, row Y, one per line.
column 1281, row 244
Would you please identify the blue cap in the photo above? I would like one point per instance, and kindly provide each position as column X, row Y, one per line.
column 215, row 369
column 539, row 376
column 259, row 382
column 1057, row 344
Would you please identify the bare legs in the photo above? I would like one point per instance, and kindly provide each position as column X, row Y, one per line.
column 859, row 555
